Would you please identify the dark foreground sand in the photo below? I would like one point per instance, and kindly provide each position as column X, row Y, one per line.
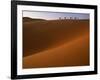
column 55, row 43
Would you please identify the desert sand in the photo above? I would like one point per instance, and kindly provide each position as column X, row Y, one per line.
column 55, row 43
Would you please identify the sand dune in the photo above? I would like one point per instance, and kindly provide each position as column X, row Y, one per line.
column 39, row 36
column 55, row 43
column 27, row 19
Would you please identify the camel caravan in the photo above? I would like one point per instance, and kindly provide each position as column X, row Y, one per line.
column 70, row 18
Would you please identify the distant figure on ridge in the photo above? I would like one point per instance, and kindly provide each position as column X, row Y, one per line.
column 64, row 18
column 71, row 18
column 59, row 18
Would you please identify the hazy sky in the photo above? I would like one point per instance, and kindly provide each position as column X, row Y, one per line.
column 53, row 15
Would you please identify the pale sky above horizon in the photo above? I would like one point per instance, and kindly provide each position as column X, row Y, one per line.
column 54, row 15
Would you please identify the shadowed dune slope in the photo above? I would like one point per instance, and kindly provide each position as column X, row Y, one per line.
column 46, row 35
